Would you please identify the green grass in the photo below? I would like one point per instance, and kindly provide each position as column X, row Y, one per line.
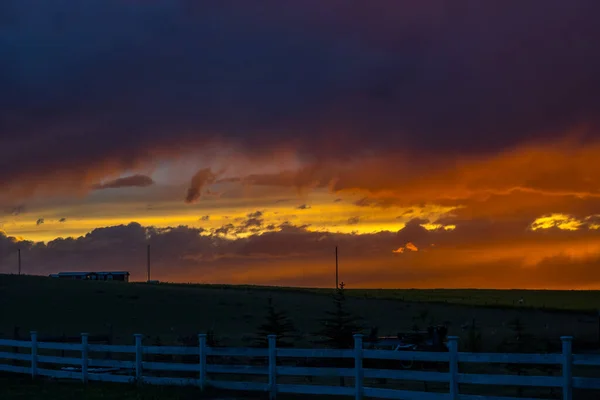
column 55, row 307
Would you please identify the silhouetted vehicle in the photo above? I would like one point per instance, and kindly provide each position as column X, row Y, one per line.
column 434, row 339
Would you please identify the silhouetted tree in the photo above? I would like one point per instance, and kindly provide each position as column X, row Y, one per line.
column 339, row 328
column 474, row 342
column 211, row 338
column 519, row 342
column 276, row 323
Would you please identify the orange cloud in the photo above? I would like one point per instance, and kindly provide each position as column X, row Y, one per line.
column 409, row 246
column 530, row 180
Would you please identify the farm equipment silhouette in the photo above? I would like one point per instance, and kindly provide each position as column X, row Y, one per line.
column 434, row 339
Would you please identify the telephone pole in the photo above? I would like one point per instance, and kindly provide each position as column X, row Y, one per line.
column 337, row 286
column 148, row 262
column 19, row 252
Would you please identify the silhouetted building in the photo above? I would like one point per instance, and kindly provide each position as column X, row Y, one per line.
column 122, row 276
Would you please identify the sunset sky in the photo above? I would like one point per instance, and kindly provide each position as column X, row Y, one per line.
column 438, row 143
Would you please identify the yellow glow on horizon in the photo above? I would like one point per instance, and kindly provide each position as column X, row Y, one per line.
column 322, row 213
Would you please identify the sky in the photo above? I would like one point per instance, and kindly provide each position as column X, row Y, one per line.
column 438, row 143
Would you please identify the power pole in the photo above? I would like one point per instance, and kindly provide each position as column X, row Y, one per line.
column 19, row 251
column 337, row 286
column 148, row 261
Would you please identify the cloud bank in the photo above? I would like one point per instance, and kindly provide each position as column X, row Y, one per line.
column 102, row 87
column 475, row 254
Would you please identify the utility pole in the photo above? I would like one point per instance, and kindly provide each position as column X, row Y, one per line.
column 19, row 252
column 598, row 328
column 148, row 261
column 337, row 286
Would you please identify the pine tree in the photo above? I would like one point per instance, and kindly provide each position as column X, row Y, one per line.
column 474, row 342
column 340, row 326
column 211, row 338
column 520, row 342
column 276, row 323
column 339, row 329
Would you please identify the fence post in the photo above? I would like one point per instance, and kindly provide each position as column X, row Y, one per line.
column 138, row 357
column 202, row 360
column 34, row 355
column 272, row 366
column 84, row 357
column 453, row 347
column 567, row 347
column 358, row 366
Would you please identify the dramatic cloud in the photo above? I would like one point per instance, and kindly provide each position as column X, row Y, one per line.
column 411, row 257
column 200, row 180
column 255, row 214
column 469, row 130
column 353, row 220
column 129, row 181
column 329, row 81
column 409, row 246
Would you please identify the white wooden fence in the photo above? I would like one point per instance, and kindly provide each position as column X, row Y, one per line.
column 88, row 368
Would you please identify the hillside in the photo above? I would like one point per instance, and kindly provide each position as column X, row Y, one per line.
column 57, row 307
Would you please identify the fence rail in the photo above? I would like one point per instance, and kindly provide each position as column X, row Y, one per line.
column 86, row 368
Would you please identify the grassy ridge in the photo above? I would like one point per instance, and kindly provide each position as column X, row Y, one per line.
column 567, row 300
column 168, row 311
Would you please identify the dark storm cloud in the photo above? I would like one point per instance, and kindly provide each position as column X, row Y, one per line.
column 126, row 82
column 129, row 181
column 353, row 220
column 202, row 178
column 255, row 214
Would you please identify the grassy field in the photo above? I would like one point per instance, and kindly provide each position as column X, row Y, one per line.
column 569, row 300
column 167, row 312
column 56, row 307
